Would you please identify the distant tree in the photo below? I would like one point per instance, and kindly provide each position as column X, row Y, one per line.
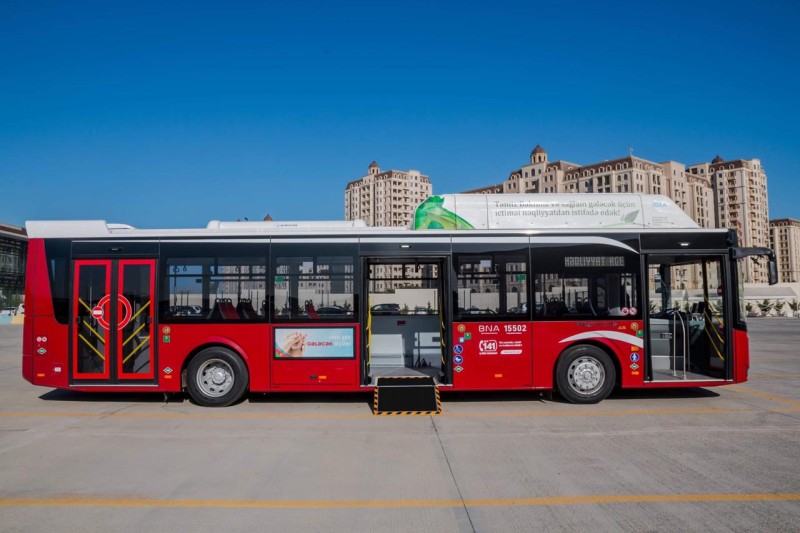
column 749, row 308
column 794, row 305
column 765, row 307
column 779, row 307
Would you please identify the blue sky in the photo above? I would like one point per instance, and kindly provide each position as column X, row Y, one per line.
column 170, row 114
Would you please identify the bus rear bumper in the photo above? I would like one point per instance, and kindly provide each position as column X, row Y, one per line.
column 27, row 367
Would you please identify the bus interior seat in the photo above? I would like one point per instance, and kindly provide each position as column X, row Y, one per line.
column 556, row 307
column 223, row 310
column 245, row 309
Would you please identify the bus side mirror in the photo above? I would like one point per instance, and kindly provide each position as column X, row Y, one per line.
column 772, row 266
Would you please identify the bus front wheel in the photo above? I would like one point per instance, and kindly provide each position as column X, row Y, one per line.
column 585, row 374
column 216, row 377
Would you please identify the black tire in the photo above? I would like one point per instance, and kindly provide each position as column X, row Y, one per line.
column 585, row 374
column 216, row 377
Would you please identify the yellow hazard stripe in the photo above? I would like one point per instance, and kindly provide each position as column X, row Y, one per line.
column 99, row 337
column 85, row 305
column 145, row 343
column 407, row 413
column 134, row 334
column 89, row 344
column 145, row 306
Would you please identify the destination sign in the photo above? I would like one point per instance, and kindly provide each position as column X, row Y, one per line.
column 594, row 261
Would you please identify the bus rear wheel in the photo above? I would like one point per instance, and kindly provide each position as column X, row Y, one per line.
column 216, row 377
column 585, row 374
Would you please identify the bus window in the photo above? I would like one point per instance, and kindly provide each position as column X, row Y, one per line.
column 314, row 287
column 492, row 286
column 215, row 288
column 587, row 296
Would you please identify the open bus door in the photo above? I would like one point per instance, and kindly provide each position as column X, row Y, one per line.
column 112, row 321
column 688, row 317
column 405, row 318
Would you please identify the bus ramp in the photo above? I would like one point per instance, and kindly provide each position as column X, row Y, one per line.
column 406, row 395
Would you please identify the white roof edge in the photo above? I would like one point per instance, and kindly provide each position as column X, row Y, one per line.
column 38, row 229
column 252, row 226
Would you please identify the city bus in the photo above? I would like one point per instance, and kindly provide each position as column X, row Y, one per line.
column 572, row 293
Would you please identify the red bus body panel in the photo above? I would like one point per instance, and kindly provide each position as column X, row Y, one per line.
column 482, row 355
column 741, row 355
column 492, row 355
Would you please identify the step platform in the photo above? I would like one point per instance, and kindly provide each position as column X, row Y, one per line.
column 406, row 395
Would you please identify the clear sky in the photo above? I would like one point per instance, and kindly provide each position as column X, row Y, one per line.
column 170, row 114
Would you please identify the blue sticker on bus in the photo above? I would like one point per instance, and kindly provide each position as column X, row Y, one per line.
column 457, row 349
column 634, row 357
column 458, row 359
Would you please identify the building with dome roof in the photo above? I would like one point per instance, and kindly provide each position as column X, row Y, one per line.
column 724, row 194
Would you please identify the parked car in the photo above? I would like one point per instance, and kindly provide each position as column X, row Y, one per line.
column 385, row 309
column 332, row 310
column 478, row 311
column 185, row 310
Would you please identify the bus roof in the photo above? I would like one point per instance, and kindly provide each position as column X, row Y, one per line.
column 508, row 213
column 550, row 211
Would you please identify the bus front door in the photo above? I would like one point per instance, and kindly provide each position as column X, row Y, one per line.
column 112, row 321
column 686, row 321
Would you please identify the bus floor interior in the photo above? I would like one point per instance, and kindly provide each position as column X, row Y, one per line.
column 680, row 375
column 683, row 349
column 405, row 346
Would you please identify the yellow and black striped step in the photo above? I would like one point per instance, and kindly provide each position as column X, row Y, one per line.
column 406, row 396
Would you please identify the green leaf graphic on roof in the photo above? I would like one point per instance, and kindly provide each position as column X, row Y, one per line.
column 630, row 218
column 431, row 215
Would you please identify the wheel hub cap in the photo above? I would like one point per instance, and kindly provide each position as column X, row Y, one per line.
column 218, row 376
column 215, row 378
column 587, row 375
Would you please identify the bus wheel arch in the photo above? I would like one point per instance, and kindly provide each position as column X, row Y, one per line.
column 216, row 375
column 586, row 373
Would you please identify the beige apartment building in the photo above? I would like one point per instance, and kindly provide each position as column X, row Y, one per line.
column 784, row 237
column 724, row 194
column 386, row 198
column 740, row 203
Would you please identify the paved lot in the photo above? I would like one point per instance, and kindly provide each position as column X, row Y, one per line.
column 724, row 459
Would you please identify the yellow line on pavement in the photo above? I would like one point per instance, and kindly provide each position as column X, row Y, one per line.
column 89, row 501
column 363, row 415
column 760, row 394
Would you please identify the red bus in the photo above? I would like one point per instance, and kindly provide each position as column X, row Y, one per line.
column 276, row 307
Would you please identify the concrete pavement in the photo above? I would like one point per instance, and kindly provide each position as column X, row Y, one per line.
column 721, row 459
